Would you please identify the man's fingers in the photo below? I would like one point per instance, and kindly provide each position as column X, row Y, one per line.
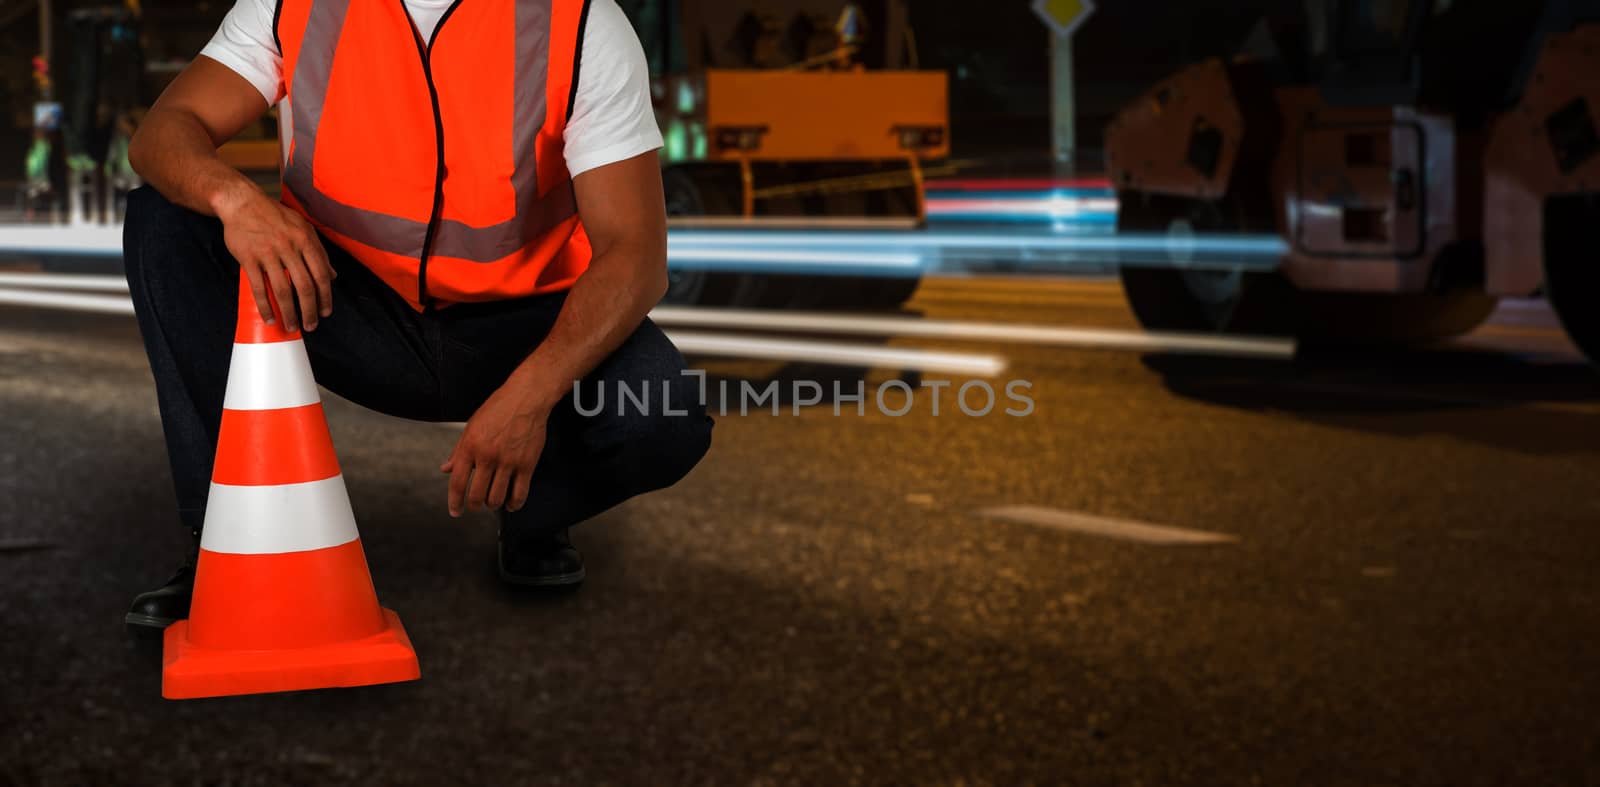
column 305, row 289
column 482, row 474
column 283, row 293
column 258, row 288
column 321, row 272
column 460, row 475
column 519, row 491
column 497, row 489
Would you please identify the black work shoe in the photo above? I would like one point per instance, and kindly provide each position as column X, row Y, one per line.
column 543, row 560
column 169, row 603
column 165, row 605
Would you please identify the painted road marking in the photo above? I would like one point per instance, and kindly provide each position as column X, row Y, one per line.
column 1105, row 527
column 8, row 545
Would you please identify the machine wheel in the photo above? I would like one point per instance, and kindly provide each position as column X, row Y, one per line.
column 1572, row 268
column 821, row 292
column 1236, row 301
column 888, row 293
column 699, row 194
column 1175, row 299
column 773, row 290
column 1374, row 318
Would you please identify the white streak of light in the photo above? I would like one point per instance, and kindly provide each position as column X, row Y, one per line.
column 724, row 345
column 65, row 281
column 1060, row 336
column 769, row 256
column 102, row 304
column 740, row 346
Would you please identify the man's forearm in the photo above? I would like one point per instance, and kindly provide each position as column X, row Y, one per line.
column 173, row 152
column 602, row 310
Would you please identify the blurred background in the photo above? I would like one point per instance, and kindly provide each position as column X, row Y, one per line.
column 1304, row 294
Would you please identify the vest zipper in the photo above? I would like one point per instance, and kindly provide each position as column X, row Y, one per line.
column 425, row 52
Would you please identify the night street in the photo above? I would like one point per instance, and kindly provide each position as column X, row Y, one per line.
column 1356, row 567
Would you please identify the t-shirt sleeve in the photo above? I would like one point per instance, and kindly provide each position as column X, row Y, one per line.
column 612, row 115
column 244, row 43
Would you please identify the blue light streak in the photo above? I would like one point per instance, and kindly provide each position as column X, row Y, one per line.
column 1070, row 249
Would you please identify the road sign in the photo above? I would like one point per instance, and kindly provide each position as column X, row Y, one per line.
column 1064, row 16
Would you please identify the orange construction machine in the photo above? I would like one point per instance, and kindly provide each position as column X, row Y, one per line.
column 1419, row 159
column 792, row 113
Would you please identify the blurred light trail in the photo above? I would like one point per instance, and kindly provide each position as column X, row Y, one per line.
column 64, row 281
column 941, row 239
column 786, row 260
column 93, row 240
column 843, row 252
column 946, row 250
column 900, row 223
column 742, row 346
column 1048, row 335
column 768, row 320
column 705, row 344
column 1024, row 208
column 1097, row 185
column 102, row 304
column 1086, row 202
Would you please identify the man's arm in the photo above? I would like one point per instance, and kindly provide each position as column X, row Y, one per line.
column 624, row 212
column 175, row 150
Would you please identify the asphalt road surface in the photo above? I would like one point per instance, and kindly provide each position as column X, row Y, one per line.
column 1356, row 568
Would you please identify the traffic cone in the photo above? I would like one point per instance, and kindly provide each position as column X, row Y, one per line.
column 282, row 597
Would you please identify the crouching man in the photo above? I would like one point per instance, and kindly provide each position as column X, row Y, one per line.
column 471, row 226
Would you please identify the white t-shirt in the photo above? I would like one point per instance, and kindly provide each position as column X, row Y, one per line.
column 612, row 119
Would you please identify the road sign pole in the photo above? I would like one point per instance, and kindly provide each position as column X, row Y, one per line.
column 46, row 32
column 1063, row 18
column 1063, row 110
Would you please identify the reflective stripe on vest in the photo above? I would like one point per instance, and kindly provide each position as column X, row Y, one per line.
column 532, row 216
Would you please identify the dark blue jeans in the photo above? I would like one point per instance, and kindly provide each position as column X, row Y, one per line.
column 376, row 351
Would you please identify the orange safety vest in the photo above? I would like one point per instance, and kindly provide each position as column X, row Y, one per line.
column 438, row 164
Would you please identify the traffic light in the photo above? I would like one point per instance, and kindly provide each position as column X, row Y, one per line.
column 41, row 74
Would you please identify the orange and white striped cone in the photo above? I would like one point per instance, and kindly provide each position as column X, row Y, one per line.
column 282, row 596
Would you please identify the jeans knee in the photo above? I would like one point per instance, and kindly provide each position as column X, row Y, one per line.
column 663, row 447
column 691, row 437
column 149, row 212
column 156, row 227
column 151, row 220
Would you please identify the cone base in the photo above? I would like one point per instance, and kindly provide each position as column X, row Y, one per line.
column 190, row 672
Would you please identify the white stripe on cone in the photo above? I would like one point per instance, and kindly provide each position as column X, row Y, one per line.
column 270, row 377
column 271, row 520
